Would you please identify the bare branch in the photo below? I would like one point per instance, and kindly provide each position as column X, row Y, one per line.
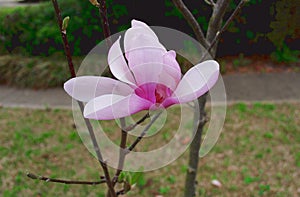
column 132, row 126
column 122, row 154
column 190, row 181
column 132, row 146
column 210, row 2
column 72, row 71
column 47, row 179
column 216, row 19
column 224, row 28
column 104, row 21
column 191, row 21
column 121, row 192
column 64, row 38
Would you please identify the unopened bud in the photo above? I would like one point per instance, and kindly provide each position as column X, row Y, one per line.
column 65, row 23
column 95, row 3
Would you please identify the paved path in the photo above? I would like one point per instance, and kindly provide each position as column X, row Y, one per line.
column 275, row 87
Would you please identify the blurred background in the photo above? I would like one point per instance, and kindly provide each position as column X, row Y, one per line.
column 265, row 37
column 257, row 153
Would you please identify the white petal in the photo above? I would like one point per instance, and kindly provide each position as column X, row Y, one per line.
column 108, row 107
column 197, row 81
column 142, row 45
column 216, row 183
column 118, row 65
column 85, row 88
column 169, row 58
column 147, row 29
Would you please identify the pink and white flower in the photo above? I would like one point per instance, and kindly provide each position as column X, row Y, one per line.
column 151, row 77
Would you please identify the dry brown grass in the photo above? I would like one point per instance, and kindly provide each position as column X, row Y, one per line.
column 258, row 154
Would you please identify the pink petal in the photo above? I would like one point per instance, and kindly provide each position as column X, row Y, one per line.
column 197, row 81
column 108, row 107
column 142, row 49
column 154, row 73
column 170, row 101
column 85, row 88
column 118, row 65
column 142, row 45
column 147, row 91
column 169, row 58
column 147, row 29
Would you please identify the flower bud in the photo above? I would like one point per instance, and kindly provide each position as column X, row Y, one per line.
column 65, row 23
column 95, row 3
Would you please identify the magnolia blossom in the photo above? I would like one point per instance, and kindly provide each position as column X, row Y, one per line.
column 150, row 78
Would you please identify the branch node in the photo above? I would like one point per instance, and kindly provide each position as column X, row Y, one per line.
column 126, row 151
column 191, row 169
column 189, row 17
column 47, row 179
column 210, row 2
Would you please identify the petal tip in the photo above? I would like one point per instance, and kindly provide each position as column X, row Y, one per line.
column 214, row 63
column 69, row 85
column 137, row 23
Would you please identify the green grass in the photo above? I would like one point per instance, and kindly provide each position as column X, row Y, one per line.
column 256, row 155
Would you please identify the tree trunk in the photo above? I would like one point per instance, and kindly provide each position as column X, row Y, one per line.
column 190, row 181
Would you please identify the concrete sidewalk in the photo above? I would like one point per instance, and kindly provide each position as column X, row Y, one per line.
column 273, row 87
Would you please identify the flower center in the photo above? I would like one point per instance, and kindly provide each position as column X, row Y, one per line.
column 156, row 93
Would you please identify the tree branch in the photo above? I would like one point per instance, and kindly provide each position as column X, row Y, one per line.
column 122, row 153
column 132, row 126
column 191, row 21
column 47, row 179
column 121, row 192
column 104, row 21
column 190, row 180
column 224, row 28
column 64, row 38
column 98, row 153
column 210, row 2
column 81, row 106
column 216, row 19
column 138, row 139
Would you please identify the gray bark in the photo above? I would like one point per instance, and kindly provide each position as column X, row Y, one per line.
column 215, row 23
column 190, row 181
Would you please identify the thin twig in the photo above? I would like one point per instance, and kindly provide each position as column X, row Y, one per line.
column 87, row 122
column 121, row 192
column 104, row 21
column 224, row 28
column 132, row 126
column 47, row 179
column 138, row 139
column 191, row 21
column 98, row 152
column 64, row 38
column 122, row 153
column 210, row 2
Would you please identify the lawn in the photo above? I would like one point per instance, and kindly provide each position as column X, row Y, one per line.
column 258, row 154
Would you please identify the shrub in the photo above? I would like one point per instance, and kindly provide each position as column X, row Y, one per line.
column 33, row 30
